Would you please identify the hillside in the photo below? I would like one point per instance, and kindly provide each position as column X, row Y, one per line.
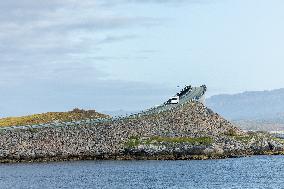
column 186, row 131
column 74, row 115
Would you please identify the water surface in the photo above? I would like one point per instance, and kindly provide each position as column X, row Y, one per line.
column 251, row 172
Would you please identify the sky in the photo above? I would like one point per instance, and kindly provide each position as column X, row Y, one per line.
column 132, row 54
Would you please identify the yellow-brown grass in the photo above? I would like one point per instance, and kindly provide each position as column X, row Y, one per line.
column 49, row 117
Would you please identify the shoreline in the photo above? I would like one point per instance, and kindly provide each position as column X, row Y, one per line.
column 173, row 157
column 188, row 132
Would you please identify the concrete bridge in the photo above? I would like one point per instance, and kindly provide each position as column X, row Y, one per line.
column 192, row 94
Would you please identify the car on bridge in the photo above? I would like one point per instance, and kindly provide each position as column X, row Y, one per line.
column 174, row 100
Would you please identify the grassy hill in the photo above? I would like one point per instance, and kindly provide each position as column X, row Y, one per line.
column 73, row 115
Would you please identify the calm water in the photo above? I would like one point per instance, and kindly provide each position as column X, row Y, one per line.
column 253, row 172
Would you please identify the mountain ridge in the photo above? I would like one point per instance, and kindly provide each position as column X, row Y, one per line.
column 265, row 104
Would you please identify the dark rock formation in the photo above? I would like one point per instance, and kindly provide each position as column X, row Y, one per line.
column 188, row 131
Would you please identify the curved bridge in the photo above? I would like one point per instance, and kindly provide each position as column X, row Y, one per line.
column 192, row 94
column 188, row 94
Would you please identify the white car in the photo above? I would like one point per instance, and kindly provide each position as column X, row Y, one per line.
column 174, row 100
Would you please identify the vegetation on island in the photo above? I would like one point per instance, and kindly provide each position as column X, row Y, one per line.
column 74, row 115
column 156, row 140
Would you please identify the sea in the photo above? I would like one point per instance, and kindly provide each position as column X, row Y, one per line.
column 247, row 172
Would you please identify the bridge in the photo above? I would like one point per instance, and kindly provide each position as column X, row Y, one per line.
column 188, row 94
column 192, row 94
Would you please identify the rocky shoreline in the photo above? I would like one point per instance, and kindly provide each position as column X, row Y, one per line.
column 138, row 157
column 189, row 131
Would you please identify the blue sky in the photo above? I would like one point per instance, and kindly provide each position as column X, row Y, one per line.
column 131, row 54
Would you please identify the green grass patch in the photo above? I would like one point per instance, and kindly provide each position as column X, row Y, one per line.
column 136, row 141
column 200, row 140
column 133, row 142
column 244, row 139
column 280, row 140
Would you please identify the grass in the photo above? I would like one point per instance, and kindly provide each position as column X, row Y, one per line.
column 250, row 136
column 200, row 140
column 133, row 142
column 136, row 141
column 49, row 117
column 244, row 139
column 280, row 140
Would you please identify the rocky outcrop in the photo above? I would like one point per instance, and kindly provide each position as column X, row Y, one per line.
column 188, row 131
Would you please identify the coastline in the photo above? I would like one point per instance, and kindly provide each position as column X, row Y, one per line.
column 138, row 158
column 186, row 132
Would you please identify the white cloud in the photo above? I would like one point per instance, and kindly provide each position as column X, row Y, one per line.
column 56, row 27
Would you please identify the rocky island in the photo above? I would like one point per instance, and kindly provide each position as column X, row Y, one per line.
column 186, row 130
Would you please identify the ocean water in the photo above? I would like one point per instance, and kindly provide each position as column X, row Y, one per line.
column 250, row 172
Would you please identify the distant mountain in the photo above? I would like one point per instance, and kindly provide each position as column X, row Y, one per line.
column 257, row 110
column 257, row 105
